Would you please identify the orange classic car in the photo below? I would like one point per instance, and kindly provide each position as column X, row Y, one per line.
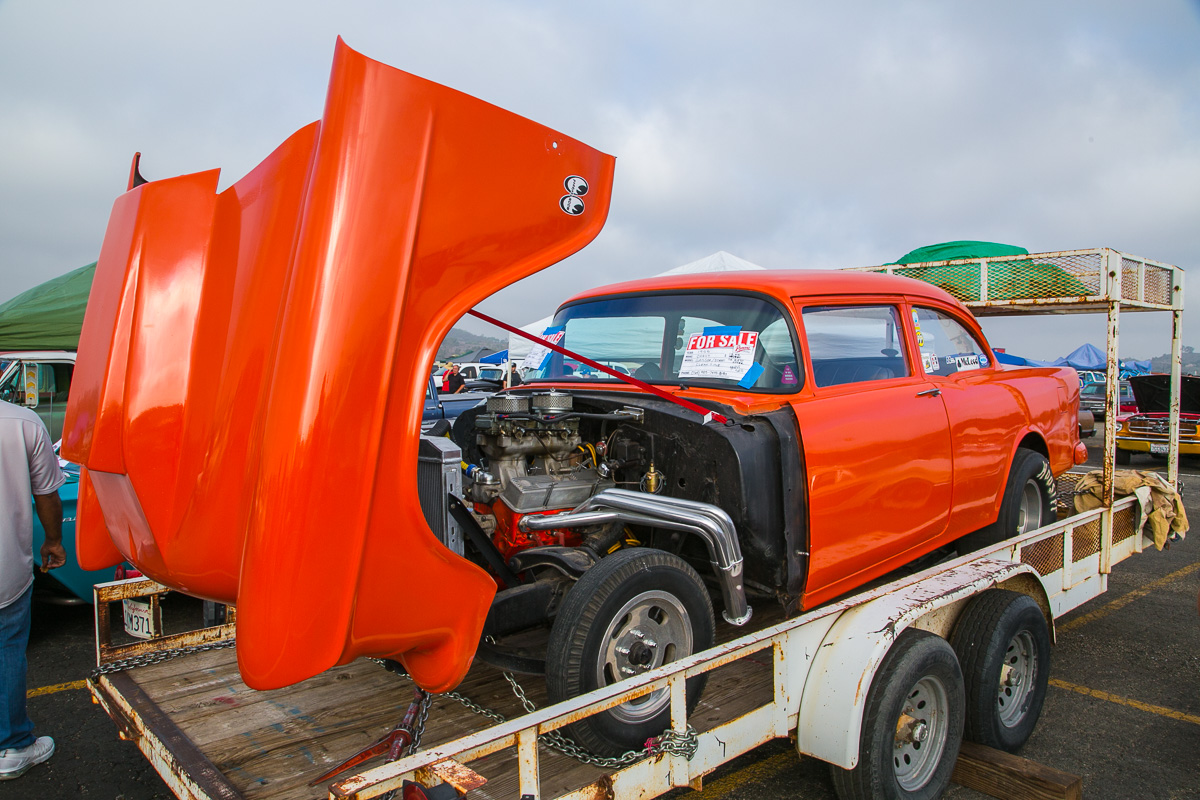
column 250, row 432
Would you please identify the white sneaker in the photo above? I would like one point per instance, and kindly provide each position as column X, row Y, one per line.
column 16, row 761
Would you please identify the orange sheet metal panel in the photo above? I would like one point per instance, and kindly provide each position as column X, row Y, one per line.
column 248, row 394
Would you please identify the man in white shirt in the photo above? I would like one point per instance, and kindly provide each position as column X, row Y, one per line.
column 28, row 465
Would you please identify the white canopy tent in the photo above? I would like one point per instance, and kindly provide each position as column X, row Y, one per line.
column 719, row 261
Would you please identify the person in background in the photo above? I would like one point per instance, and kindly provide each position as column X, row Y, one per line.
column 514, row 377
column 455, row 382
column 28, row 465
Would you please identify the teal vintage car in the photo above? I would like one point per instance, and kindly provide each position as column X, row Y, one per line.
column 69, row 581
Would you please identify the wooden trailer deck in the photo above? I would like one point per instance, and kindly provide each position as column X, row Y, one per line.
column 213, row 738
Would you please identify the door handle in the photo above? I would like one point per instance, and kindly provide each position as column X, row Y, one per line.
column 935, row 392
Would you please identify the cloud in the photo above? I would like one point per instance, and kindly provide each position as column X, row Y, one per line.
column 793, row 135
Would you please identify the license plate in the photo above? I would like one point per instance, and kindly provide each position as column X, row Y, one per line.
column 1158, row 449
column 139, row 622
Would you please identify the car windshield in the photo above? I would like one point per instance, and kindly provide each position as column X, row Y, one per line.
column 720, row 340
column 491, row 374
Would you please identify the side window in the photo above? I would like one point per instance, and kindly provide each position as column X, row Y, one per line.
column 45, row 385
column 12, row 391
column 62, row 381
column 850, row 344
column 947, row 347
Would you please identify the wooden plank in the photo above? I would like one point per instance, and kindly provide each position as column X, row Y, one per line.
column 1010, row 777
column 176, row 752
column 270, row 744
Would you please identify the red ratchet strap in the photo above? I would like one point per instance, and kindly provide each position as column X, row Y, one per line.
column 690, row 406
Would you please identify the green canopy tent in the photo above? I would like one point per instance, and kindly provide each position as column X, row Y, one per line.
column 49, row 316
column 1019, row 279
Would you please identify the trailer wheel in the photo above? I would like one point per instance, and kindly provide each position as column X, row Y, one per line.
column 1124, row 457
column 912, row 724
column 1003, row 645
column 636, row 610
column 1027, row 504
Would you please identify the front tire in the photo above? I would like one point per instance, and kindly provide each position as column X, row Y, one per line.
column 1003, row 645
column 636, row 610
column 1027, row 504
column 912, row 724
column 1124, row 457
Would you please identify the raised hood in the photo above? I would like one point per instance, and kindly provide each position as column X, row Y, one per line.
column 248, row 399
column 1153, row 393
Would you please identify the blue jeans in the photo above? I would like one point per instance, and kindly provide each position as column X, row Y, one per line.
column 16, row 729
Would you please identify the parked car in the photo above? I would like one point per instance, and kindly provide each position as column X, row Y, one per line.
column 1087, row 424
column 69, row 583
column 1094, row 397
column 1148, row 431
column 442, row 405
column 40, row 380
column 482, row 377
column 1087, row 377
column 796, row 433
column 812, row 372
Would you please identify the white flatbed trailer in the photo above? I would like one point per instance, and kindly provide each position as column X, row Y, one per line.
column 212, row 738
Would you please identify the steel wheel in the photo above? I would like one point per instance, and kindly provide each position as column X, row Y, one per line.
column 912, row 724
column 1003, row 643
column 650, row 630
column 1029, row 515
column 921, row 733
column 1016, row 678
column 634, row 611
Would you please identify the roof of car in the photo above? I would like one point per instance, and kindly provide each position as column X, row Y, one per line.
column 780, row 283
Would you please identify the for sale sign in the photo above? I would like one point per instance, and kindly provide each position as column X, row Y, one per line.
column 726, row 353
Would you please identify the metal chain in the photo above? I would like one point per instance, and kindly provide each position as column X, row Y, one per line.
column 418, row 730
column 157, row 657
column 680, row 744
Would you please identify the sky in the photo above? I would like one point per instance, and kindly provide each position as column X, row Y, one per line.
column 796, row 135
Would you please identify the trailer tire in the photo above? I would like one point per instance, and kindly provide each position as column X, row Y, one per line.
column 1027, row 504
column 1000, row 629
column 649, row 603
column 917, row 695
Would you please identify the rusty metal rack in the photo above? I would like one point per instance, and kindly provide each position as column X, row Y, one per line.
column 1099, row 280
column 1062, row 282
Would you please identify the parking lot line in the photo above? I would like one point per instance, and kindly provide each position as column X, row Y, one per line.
column 1125, row 701
column 1126, row 599
column 58, row 687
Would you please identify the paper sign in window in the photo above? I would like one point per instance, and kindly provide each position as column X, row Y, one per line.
column 539, row 354
column 723, row 353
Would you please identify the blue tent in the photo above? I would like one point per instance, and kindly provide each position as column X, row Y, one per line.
column 495, row 358
column 1085, row 357
column 1130, row 368
column 1018, row 361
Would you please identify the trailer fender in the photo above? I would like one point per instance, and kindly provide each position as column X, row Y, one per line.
column 845, row 663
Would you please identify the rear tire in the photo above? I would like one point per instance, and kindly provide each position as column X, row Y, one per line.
column 1027, row 505
column 636, row 610
column 912, row 724
column 1003, row 646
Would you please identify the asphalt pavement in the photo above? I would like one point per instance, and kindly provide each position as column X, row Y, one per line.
column 1123, row 709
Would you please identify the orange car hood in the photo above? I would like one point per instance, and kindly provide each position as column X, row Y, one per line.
column 250, row 375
